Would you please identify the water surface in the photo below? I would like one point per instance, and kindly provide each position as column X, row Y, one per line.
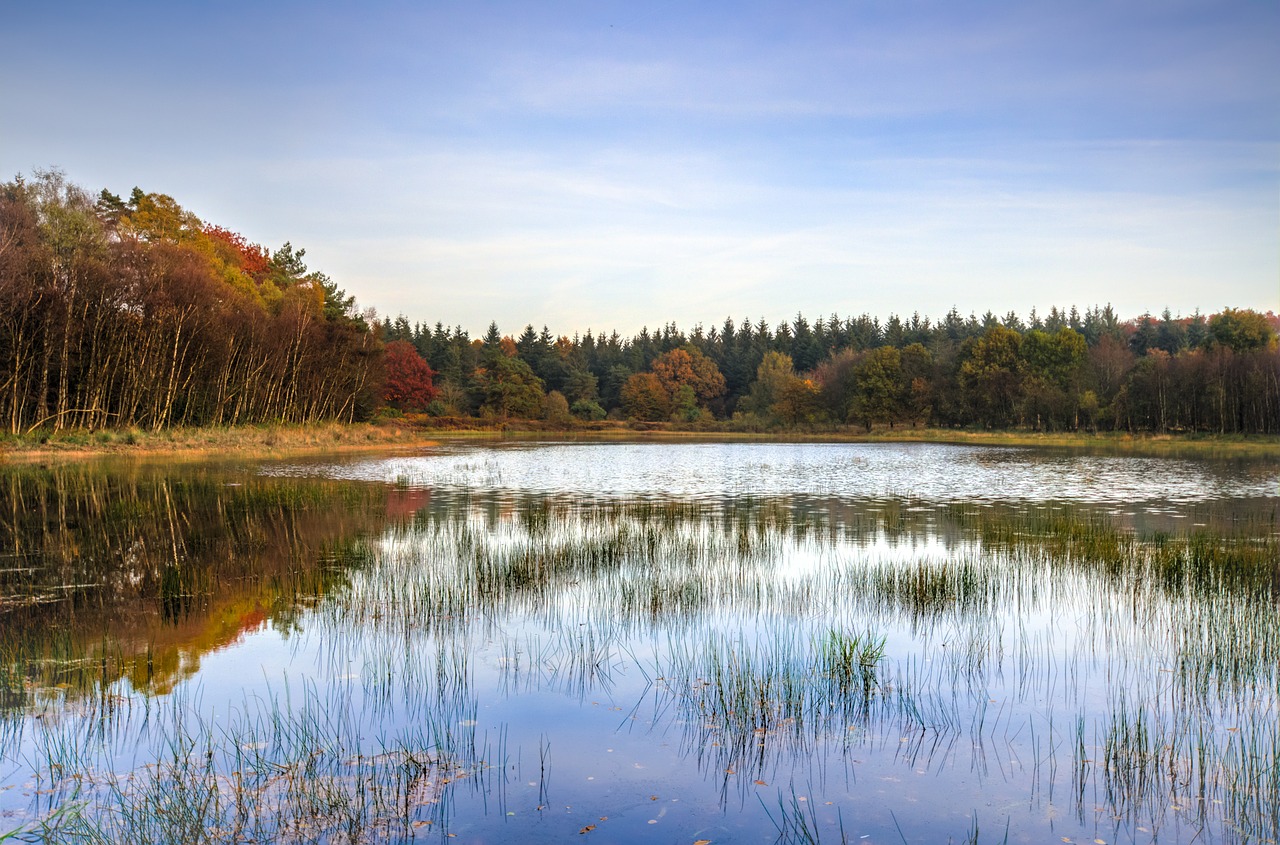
column 648, row 642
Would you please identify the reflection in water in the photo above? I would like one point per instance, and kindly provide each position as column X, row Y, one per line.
column 370, row 662
column 137, row 573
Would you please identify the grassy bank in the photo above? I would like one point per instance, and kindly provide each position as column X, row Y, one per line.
column 1154, row 445
column 410, row 433
column 248, row 441
column 1207, row 445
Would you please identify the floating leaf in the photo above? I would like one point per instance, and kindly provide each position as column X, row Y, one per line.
column 587, row 829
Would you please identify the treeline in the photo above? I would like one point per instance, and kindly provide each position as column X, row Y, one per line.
column 120, row 312
column 1066, row 371
column 134, row 312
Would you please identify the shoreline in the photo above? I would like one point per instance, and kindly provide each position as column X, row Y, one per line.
column 283, row 440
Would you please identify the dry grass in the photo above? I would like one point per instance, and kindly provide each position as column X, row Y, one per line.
column 246, row 441
column 419, row 432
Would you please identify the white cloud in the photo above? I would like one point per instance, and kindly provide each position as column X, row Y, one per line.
column 616, row 166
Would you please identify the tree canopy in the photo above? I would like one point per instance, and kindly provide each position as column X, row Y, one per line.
column 1064, row 370
column 119, row 312
column 133, row 311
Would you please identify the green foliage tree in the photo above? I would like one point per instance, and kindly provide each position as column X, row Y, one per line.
column 506, row 387
column 580, row 385
column 1052, row 375
column 684, row 405
column 1241, row 330
column 1054, row 357
column 1171, row 335
column 991, row 374
column 555, row 408
column 774, row 375
column 587, row 409
column 611, row 385
column 878, row 387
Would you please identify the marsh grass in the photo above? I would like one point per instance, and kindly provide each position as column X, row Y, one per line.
column 796, row 820
column 276, row 770
column 1055, row 655
column 761, row 662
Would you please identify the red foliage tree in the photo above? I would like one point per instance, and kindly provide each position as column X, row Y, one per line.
column 254, row 260
column 408, row 378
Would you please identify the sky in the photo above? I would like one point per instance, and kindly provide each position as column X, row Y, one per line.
column 605, row 166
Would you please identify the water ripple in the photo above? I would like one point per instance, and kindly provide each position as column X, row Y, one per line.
column 928, row 472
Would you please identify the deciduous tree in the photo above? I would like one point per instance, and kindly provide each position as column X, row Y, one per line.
column 1241, row 330
column 645, row 397
column 407, row 378
column 878, row 387
column 688, row 366
column 992, row 375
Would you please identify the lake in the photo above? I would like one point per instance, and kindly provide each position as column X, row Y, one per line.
column 643, row 642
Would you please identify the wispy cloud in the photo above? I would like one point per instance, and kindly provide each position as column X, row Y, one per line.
column 614, row 165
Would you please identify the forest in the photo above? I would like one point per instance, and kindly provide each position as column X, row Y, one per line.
column 124, row 313
column 1065, row 371
column 134, row 313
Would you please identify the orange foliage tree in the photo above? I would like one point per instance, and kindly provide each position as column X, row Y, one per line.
column 687, row 366
column 644, row 397
column 137, row 313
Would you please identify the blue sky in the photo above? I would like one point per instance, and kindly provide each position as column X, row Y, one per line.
column 600, row 165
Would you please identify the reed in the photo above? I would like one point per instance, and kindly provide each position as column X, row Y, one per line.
column 277, row 770
column 765, row 635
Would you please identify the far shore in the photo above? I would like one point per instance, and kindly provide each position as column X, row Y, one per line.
column 407, row 434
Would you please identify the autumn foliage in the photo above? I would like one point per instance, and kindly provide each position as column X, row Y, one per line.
column 251, row 259
column 407, row 378
column 131, row 311
column 134, row 312
column 1064, row 371
column 687, row 366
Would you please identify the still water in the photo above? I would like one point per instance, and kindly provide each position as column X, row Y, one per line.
column 643, row 643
